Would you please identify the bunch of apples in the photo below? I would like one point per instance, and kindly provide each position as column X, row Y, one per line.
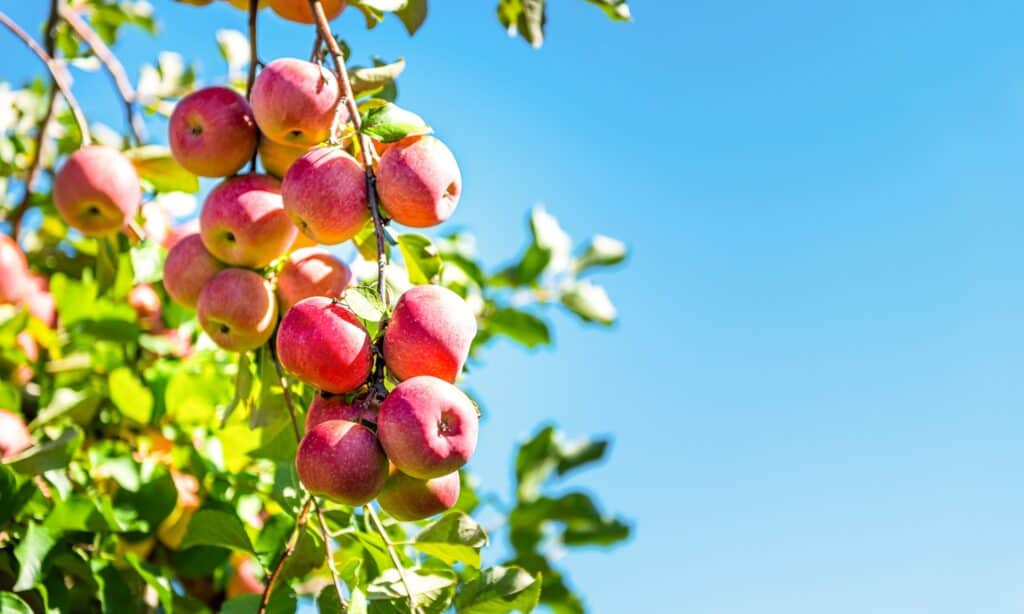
column 405, row 449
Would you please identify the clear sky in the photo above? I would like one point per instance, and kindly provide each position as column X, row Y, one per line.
column 815, row 390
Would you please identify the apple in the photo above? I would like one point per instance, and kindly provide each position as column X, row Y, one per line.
column 277, row 158
column 343, row 461
column 301, row 240
column 299, row 11
column 180, row 232
column 321, row 342
column 324, row 192
column 428, row 427
column 212, row 132
column 30, row 348
column 187, row 269
column 147, row 305
column 430, row 333
column 237, row 310
column 14, row 282
column 243, row 222
column 311, row 271
column 333, row 407
column 156, row 223
column 172, row 530
column 243, row 579
column 244, row 4
column 419, row 181
column 407, row 498
column 97, row 190
column 39, row 301
column 294, row 102
column 14, row 435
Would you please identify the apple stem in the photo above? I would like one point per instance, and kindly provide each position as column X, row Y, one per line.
column 365, row 146
column 114, row 67
column 49, row 44
column 300, row 523
column 59, row 76
column 254, row 61
column 379, row 527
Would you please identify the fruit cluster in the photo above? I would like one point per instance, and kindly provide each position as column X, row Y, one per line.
column 405, row 446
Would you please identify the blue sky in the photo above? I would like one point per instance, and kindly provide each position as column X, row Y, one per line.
column 815, row 389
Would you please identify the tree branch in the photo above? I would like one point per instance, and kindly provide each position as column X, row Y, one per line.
column 254, row 7
column 365, row 145
column 49, row 44
column 114, row 68
column 379, row 527
column 55, row 70
column 300, row 524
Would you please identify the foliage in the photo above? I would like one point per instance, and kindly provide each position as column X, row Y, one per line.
column 161, row 462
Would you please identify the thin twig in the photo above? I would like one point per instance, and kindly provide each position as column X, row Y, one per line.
column 324, row 532
column 379, row 527
column 49, row 44
column 114, row 67
column 300, row 524
column 254, row 7
column 55, row 71
column 365, row 145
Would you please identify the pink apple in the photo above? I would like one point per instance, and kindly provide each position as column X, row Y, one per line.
column 212, row 132
column 97, row 190
column 14, row 278
column 407, row 498
column 187, row 269
column 237, row 309
column 419, row 181
column 430, row 333
column 334, row 407
column 147, row 305
column 14, row 435
column 39, row 301
column 311, row 271
column 343, row 461
column 323, row 344
column 294, row 102
column 324, row 192
column 243, row 222
column 428, row 427
column 243, row 579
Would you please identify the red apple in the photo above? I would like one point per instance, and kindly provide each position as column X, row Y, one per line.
column 14, row 435
column 429, row 334
column 428, row 427
column 237, row 310
column 324, row 192
column 30, row 347
column 277, row 158
column 243, row 222
column 299, row 11
column 14, row 279
column 212, row 132
column 243, row 579
column 334, row 407
column 97, row 190
column 407, row 498
column 311, row 271
column 343, row 461
column 419, row 182
column 39, row 301
column 146, row 303
column 187, row 269
column 323, row 344
column 294, row 102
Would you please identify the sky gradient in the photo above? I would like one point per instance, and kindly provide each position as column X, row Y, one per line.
column 815, row 389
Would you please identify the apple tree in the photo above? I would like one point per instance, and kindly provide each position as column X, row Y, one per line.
column 216, row 412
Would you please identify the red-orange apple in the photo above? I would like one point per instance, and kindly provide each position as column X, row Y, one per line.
column 429, row 334
column 294, row 102
column 187, row 269
column 323, row 344
column 428, row 427
column 97, row 190
column 324, row 192
column 408, row 498
column 277, row 158
column 243, row 222
column 311, row 271
column 299, row 11
column 243, row 579
column 419, row 181
column 343, row 461
column 212, row 132
column 237, row 309
column 334, row 407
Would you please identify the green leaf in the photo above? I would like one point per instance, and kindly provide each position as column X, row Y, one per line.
column 365, row 303
column 30, row 552
column 157, row 166
column 429, row 586
column 373, row 79
column 366, row 242
column 147, row 262
column 497, row 590
column 601, row 251
column 79, row 405
column 422, row 260
column 576, row 455
column 413, row 15
column 524, row 17
column 590, row 302
column 130, row 395
column 523, row 328
column 617, row 10
column 8, row 491
column 50, row 455
column 13, row 604
column 160, row 584
column 307, row 556
column 582, row 520
column 389, row 123
column 453, row 538
column 195, row 392
column 210, row 527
